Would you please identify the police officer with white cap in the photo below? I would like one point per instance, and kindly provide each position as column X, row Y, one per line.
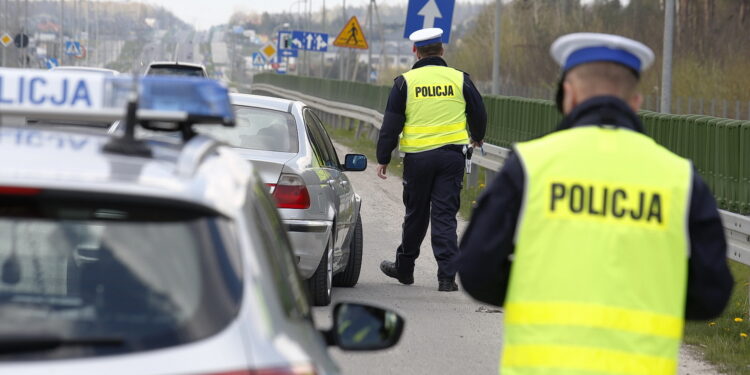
column 614, row 239
column 432, row 114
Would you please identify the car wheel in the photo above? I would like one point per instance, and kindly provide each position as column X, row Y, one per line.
column 321, row 281
column 350, row 276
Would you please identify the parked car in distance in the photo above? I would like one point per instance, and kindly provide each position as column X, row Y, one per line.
column 85, row 69
column 175, row 68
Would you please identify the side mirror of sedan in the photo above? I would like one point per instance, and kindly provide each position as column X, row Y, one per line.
column 360, row 327
column 355, row 162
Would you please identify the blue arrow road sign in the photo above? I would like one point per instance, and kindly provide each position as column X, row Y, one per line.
column 73, row 48
column 422, row 14
column 51, row 62
column 287, row 53
column 309, row 41
column 284, row 48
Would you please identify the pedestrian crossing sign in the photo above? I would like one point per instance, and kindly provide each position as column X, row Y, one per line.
column 351, row 36
column 258, row 59
column 6, row 40
column 73, row 48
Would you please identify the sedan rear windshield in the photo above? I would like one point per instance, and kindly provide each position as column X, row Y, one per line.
column 95, row 275
column 257, row 129
column 176, row 70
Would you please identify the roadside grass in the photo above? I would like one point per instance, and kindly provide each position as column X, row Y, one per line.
column 724, row 341
column 470, row 194
column 364, row 146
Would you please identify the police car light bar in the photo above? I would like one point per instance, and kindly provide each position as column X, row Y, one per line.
column 60, row 95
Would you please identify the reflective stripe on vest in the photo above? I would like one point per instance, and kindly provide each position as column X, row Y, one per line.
column 600, row 267
column 435, row 109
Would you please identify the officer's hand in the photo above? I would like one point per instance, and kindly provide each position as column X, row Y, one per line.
column 381, row 170
column 477, row 144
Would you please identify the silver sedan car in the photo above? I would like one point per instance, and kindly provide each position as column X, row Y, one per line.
column 295, row 157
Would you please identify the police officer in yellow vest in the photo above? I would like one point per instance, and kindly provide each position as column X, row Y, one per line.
column 432, row 114
column 614, row 239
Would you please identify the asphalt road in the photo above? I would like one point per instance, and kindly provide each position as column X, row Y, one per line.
column 445, row 333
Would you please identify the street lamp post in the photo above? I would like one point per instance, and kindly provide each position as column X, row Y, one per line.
column 323, row 30
column 666, row 70
column 496, row 50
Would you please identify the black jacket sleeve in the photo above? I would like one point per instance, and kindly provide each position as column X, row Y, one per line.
column 476, row 114
column 393, row 121
column 484, row 263
column 709, row 280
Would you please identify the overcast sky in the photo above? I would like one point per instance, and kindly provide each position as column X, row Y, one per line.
column 205, row 13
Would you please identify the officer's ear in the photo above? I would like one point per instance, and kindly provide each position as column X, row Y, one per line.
column 635, row 102
column 570, row 97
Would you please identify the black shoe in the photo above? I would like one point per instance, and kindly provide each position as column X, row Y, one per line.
column 389, row 269
column 447, row 286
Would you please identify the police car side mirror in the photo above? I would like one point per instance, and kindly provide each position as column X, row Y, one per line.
column 360, row 327
column 355, row 162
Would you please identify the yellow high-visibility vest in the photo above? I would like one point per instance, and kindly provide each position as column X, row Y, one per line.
column 599, row 274
column 435, row 109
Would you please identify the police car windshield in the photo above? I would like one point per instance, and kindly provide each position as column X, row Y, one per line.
column 155, row 275
column 257, row 129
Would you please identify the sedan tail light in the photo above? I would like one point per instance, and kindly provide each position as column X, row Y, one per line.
column 290, row 192
column 16, row 190
column 303, row 369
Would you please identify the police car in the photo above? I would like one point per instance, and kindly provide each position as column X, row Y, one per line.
column 131, row 256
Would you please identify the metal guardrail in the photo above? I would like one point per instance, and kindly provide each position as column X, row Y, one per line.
column 356, row 112
column 736, row 227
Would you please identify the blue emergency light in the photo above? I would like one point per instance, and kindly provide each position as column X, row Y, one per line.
column 200, row 98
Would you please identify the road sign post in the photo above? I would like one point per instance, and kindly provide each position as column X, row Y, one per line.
column 422, row 14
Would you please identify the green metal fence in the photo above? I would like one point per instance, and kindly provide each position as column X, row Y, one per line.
column 719, row 148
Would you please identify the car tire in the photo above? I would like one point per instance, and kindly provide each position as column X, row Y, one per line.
column 349, row 277
column 321, row 282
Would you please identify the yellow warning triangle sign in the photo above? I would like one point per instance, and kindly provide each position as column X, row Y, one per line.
column 351, row 36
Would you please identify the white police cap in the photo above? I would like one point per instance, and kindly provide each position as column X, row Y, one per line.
column 427, row 36
column 579, row 48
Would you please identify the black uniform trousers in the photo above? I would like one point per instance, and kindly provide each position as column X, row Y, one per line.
column 432, row 194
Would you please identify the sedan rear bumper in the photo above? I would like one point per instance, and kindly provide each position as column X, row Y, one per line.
column 309, row 240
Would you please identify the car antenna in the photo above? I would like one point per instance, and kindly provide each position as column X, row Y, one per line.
column 127, row 144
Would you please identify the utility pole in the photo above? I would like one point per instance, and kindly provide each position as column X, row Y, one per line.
column 496, row 50
column 666, row 68
column 60, row 31
column 75, row 36
column 5, row 28
column 324, row 29
column 369, row 50
column 342, row 68
column 25, row 31
column 96, row 35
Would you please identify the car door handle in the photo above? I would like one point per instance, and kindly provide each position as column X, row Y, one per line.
column 330, row 182
column 344, row 183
